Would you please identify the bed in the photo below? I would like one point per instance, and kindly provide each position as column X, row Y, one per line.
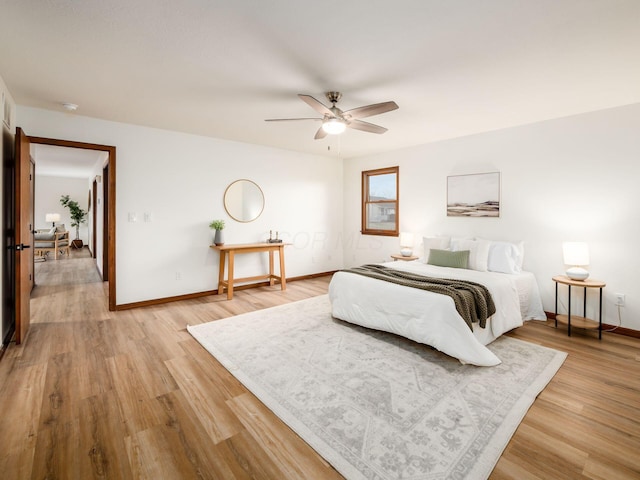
column 431, row 318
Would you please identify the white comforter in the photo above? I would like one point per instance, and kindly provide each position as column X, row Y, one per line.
column 428, row 317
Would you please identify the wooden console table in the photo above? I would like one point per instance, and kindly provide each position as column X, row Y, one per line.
column 229, row 251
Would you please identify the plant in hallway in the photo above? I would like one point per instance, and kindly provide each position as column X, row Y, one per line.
column 77, row 214
column 218, row 226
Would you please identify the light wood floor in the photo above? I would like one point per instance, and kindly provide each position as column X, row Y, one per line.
column 97, row 394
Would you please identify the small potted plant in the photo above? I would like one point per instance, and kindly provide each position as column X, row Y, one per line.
column 218, row 226
column 78, row 216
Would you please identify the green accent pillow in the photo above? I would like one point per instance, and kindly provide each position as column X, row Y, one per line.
column 447, row 258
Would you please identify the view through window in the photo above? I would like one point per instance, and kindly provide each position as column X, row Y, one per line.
column 380, row 201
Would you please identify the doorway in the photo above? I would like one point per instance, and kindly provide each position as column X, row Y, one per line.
column 105, row 182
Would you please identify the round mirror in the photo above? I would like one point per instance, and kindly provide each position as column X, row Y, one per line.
column 243, row 200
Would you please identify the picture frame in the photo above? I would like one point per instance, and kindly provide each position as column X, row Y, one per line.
column 473, row 195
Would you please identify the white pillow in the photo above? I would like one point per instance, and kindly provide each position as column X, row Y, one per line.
column 478, row 252
column 506, row 257
column 439, row 243
column 520, row 248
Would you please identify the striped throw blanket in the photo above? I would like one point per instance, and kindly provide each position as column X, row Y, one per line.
column 473, row 301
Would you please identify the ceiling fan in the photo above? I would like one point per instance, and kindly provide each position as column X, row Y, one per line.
column 335, row 121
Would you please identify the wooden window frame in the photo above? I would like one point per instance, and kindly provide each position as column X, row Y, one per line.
column 366, row 175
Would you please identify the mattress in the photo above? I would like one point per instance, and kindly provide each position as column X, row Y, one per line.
column 431, row 318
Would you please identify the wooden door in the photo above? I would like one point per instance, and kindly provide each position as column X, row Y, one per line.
column 24, row 233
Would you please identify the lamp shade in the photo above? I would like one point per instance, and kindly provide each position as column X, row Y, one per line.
column 406, row 239
column 576, row 255
column 406, row 244
column 52, row 217
column 334, row 126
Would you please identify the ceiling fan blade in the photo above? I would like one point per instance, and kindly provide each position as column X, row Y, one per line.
column 316, row 105
column 371, row 110
column 289, row 119
column 366, row 126
column 320, row 134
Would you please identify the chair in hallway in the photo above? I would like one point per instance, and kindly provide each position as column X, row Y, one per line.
column 55, row 239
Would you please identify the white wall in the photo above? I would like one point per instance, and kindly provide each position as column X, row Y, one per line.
column 179, row 180
column 574, row 178
column 47, row 200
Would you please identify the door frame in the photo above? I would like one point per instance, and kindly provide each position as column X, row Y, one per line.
column 93, row 197
column 109, row 247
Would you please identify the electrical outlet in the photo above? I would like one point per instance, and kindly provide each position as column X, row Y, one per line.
column 619, row 299
column 178, row 275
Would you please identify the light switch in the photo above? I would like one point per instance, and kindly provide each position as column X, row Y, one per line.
column 148, row 217
column 133, row 217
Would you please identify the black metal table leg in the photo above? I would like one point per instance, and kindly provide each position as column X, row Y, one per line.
column 600, row 317
column 569, row 313
column 556, row 317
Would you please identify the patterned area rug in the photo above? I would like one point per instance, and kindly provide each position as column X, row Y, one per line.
column 375, row 405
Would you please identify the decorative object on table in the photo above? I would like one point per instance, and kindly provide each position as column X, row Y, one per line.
column 476, row 195
column 273, row 240
column 78, row 216
column 406, row 244
column 375, row 405
column 576, row 256
column 218, row 226
column 53, row 218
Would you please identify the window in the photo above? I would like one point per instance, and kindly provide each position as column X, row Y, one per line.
column 380, row 202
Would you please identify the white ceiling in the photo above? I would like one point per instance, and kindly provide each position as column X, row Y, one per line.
column 66, row 162
column 219, row 68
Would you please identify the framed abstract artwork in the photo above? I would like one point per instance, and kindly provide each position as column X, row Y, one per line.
column 474, row 195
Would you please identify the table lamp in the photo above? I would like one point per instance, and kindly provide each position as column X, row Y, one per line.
column 576, row 256
column 406, row 244
column 52, row 217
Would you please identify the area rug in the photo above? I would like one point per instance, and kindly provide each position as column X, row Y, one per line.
column 375, row 405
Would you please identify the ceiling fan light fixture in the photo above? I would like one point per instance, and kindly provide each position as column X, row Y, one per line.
column 335, row 121
column 334, row 126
